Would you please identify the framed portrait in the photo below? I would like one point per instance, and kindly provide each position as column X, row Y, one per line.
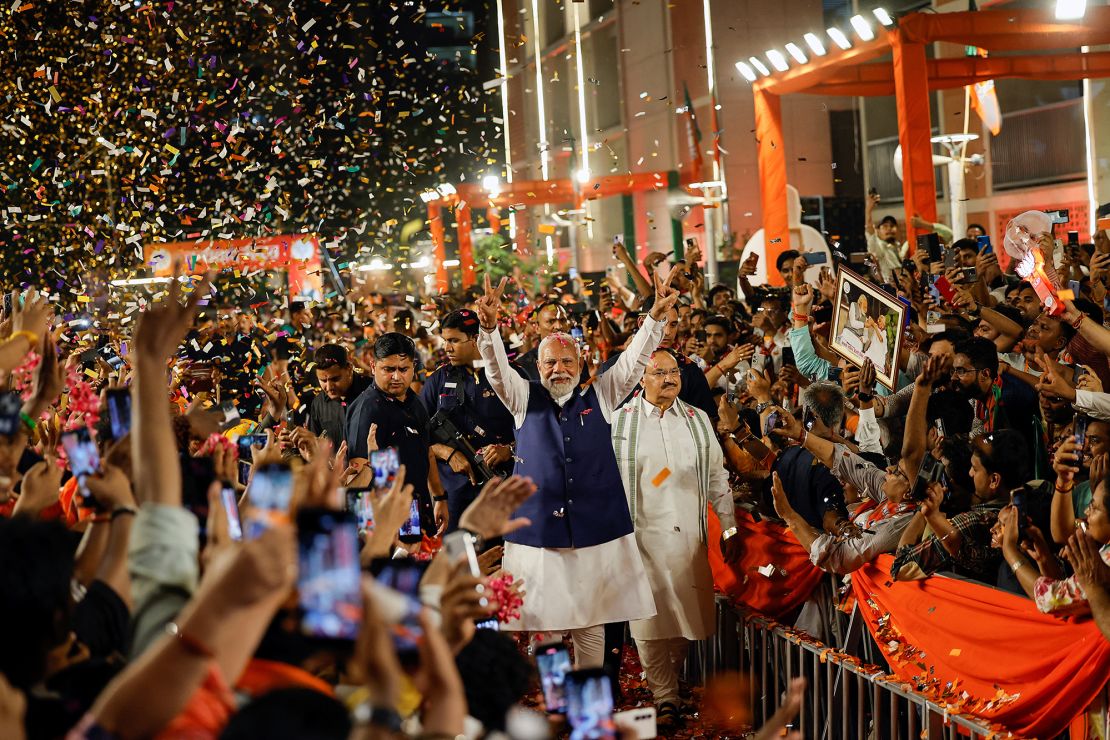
column 868, row 324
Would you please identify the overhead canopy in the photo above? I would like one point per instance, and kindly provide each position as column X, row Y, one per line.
column 909, row 75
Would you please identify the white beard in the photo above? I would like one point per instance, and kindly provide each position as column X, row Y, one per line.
column 558, row 388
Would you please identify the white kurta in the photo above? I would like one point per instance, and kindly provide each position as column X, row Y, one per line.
column 668, row 522
column 572, row 588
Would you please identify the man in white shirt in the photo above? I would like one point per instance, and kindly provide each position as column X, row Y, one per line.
column 578, row 553
column 673, row 469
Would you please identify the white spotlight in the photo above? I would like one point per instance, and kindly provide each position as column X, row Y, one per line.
column 815, row 44
column 760, row 66
column 748, row 72
column 795, row 51
column 863, row 28
column 839, row 38
column 491, row 184
column 1070, row 10
column 778, row 61
column 582, row 175
column 883, row 17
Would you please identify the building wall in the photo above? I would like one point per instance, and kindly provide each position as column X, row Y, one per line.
column 645, row 54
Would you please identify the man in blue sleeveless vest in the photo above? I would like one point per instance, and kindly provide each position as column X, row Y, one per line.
column 578, row 556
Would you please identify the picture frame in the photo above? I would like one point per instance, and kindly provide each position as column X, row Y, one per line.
column 872, row 329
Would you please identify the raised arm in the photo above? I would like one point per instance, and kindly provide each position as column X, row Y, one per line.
column 621, row 253
column 916, row 432
column 619, row 380
column 509, row 387
column 160, row 329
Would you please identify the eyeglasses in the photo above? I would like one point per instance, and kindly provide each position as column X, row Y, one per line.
column 961, row 371
column 665, row 373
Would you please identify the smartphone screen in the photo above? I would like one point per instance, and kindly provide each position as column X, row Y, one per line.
column 329, row 576
column 590, row 705
column 411, row 528
column 84, row 460
column 1080, row 432
column 834, row 374
column 553, row 663
column 269, row 494
column 576, row 332
column 984, row 241
column 403, row 576
column 816, row 258
column 1073, row 238
column 246, row 441
column 385, row 464
column 359, row 504
column 119, row 412
column 10, row 406
column 229, row 498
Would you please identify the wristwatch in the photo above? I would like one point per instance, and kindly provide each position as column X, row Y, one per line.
column 865, row 396
column 477, row 539
column 439, row 498
column 761, row 407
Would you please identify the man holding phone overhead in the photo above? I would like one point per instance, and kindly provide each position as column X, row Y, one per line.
column 402, row 423
column 579, row 554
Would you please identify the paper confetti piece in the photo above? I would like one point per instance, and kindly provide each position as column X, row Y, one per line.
column 955, row 652
column 661, row 476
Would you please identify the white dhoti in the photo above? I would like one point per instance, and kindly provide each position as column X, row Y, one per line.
column 572, row 588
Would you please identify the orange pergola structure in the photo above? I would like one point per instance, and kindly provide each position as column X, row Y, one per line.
column 466, row 196
column 910, row 76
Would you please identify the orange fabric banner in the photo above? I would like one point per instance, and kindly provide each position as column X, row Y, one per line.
column 773, row 577
column 772, row 177
column 982, row 651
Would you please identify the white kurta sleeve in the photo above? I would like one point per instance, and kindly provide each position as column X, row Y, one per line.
column 1095, row 404
column 509, row 387
column 617, row 382
column 720, row 494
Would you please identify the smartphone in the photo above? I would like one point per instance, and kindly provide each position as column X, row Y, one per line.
column 950, row 258
column 359, row 504
column 1061, row 216
column 459, row 545
column 787, row 356
column 590, row 705
column 930, row 243
column 1077, row 373
column 576, row 332
column 410, row 531
column 969, row 275
column 114, row 361
column 553, row 664
column 84, row 460
column 1021, row 504
column 1080, row 432
column 385, row 464
column 816, row 258
column 329, row 589
column 773, row 421
column 270, row 491
column 246, row 441
column 906, row 302
column 939, row 426
column 1075, row 288
column 931, row 471
column 11, row 405
column 835, row 372
column 119, row 412
column 808, row 418
column 229, row 498
column 403, row 576
column 944, row 288
column 984, row 243
column 1073, row 238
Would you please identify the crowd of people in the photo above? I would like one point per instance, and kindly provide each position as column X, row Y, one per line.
column 364, row 520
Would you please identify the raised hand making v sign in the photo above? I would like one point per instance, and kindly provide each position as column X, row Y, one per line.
column 489, row 304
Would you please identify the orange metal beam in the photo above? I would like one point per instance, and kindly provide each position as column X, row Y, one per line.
column 878, row 79
column 1009, row 29
column 801, row 78
column 919, row 187
column 772, row 180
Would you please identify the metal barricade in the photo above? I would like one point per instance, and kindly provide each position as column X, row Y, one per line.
column 844, row 698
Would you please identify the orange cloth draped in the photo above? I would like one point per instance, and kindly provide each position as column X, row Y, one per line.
column 787, row 588
column 1026, row 671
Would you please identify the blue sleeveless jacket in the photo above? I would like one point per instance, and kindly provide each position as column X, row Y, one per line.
column 568, row 452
